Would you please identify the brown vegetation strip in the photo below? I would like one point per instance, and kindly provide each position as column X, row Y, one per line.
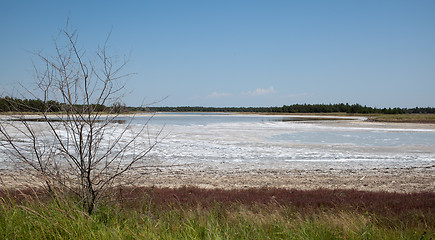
column 377, row 202
column 370, row 201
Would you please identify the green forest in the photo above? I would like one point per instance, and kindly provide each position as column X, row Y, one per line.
column 9, row 104
column 295, row 108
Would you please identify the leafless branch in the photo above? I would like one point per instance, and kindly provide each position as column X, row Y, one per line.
column 78, row 148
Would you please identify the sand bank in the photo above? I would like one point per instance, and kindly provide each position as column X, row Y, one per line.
column 391, row 180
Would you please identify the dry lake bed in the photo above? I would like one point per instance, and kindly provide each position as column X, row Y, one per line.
column 238, row 151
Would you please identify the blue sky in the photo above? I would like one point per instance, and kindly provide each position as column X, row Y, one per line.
column 241, row 53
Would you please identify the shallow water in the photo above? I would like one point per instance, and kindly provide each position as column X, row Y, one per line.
column 257, row 142
column 248, row 142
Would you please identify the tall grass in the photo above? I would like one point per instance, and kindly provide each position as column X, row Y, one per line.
column 192, row 213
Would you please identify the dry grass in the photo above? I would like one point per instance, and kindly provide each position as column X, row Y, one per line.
column 404, row 118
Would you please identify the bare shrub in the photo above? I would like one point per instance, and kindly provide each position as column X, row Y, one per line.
column 74, row 142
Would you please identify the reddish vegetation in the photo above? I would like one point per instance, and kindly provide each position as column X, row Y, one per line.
column 377, row 202
column 364, row 201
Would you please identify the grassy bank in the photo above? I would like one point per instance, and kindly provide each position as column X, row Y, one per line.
column 192, row 213
column 409, row 118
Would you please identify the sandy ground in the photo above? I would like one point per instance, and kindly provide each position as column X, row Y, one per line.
column 391, row 180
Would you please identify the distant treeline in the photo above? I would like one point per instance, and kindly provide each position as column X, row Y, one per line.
column 8, row 104
column 296, row 108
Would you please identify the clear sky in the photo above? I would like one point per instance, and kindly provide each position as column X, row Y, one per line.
column 241, row 53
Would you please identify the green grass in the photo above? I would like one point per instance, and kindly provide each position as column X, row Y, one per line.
column 411, row 118
column 141, row 217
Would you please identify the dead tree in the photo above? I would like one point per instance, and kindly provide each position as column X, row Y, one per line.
column 79, row 148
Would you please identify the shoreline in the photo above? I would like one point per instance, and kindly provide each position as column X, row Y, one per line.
column 388, row 180
column 400, row 180
column 416, row 118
